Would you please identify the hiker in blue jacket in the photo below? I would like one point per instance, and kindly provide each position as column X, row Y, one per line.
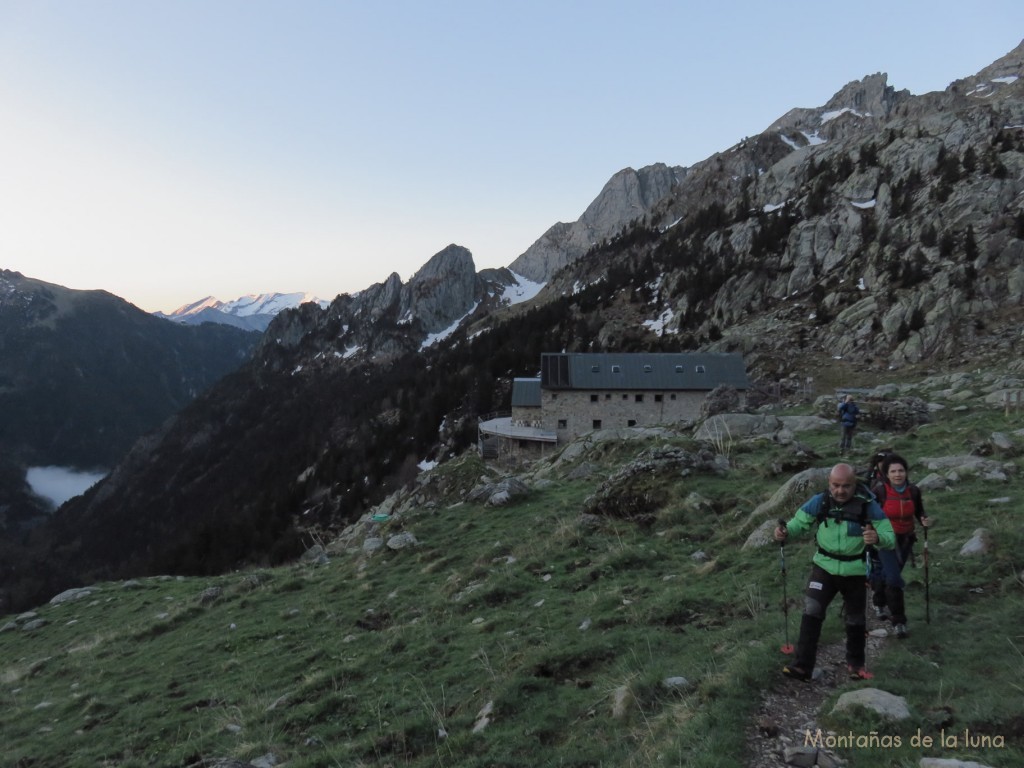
column 848, row 412
column 848, row 519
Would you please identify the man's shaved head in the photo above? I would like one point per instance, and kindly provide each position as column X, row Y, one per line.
column 842, row 482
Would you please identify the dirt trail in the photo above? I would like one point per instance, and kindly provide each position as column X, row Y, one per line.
column 789, row 709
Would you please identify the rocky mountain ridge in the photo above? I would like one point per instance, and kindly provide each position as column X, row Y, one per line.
column 392, row 318
column 628, row 195
column 882, row 225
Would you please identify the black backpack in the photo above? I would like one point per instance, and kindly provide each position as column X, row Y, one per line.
column 827, row 506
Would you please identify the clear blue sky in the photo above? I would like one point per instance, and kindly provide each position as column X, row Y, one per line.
column 168, row 150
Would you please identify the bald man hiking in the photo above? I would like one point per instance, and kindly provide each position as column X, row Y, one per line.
column 848, row 520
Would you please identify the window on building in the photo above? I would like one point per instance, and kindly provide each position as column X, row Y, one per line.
column 563, row 424
column 679, row 369
column 625, row 396
column 631, row 423
column 593, row 398
column 700, row 369
column 616, row 369
column 648, row 368
column 595, row 369
column 639, row 398
column 658, row 398
column 672, row 396
column 597, row 423
column 607, row 395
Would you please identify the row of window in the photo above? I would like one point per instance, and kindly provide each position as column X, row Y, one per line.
column 648, row 368
column 638, row 397
column 595, row 424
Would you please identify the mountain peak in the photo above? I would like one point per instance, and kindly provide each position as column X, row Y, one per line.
column 252, row 312
column 1003, row 77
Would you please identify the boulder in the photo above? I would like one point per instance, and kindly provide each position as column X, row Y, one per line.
column 798, row 489
column 210, row 595
column 722, row 399
column 70, row 595
column 980, row 543
column 1002, row 443
column 483, row 717
column 933, row 482
column 499, row 494
column 888, row 705
column 402, row 541
column 675, row 683
column 762, row 535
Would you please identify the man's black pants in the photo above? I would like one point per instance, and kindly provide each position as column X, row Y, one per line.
column 822, row 587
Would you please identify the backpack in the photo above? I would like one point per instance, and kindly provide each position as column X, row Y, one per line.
column 872, row 476
column 823, row 513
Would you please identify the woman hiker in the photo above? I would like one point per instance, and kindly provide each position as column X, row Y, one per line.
column 901, row 501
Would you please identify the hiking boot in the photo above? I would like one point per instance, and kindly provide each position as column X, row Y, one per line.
column 900, row 630
column 858, row 673
column 797, row 673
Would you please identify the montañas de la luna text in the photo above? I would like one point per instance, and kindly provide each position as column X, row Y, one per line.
column 875, row 740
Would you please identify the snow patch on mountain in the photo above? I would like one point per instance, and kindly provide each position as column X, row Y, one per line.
column 524, row 290
column 433, row 338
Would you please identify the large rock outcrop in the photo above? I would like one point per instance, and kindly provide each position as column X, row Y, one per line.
column 628, row 195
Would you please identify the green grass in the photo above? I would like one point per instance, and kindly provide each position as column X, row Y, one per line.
column 531, row 612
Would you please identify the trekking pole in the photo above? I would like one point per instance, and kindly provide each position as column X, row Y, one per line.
column 864, row 674
column 927, row 600
column 787, row 648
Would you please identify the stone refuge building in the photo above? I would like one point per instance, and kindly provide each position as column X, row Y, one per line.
column 580, row 392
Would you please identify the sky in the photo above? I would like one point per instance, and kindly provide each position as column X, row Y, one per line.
column 169, row 150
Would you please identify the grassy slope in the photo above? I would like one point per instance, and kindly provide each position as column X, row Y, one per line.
column 366, row 659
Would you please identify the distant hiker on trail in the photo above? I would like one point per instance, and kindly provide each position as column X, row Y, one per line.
column 848, row 519
column 848, row 412
column 901, row 501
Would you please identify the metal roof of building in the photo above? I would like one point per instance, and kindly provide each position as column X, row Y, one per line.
column 657, row 370
column 526, row 393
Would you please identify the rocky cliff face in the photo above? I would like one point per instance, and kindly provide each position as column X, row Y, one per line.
column 444, row 290
column 627, row 196
column 391, row 318
column 882, row 225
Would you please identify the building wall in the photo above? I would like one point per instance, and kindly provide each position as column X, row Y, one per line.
column 571, row 413
column 524, row 416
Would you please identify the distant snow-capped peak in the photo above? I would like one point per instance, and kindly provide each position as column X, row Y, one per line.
column 253, row 312
column 268, row 303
